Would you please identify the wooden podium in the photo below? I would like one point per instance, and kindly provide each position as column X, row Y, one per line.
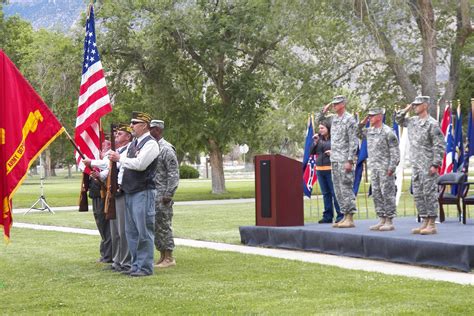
column 278, row 191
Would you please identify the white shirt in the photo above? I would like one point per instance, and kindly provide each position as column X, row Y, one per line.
column 145, row 156
column 103, row 165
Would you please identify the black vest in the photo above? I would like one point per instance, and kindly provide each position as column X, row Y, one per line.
column 136, row 181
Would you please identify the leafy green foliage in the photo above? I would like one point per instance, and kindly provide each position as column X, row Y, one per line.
column 188, row 172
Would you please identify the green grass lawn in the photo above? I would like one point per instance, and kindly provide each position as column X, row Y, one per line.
column 61, row 191
column 55, row 273
column 202, row 222
column 207, row 222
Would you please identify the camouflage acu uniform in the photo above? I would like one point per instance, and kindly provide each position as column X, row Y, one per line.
column 384, row 155
column 344, row 145
column 427, row 149
column 166, row 179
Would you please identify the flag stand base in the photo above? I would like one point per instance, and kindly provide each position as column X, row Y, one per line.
column 44, row 206
column 42, row 199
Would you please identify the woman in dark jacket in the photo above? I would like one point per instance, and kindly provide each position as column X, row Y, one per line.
column 322, row 148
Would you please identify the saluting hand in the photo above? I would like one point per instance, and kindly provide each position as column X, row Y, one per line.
column 364, row 121
column 407, row 108
column 326, row 107
column 433, row 170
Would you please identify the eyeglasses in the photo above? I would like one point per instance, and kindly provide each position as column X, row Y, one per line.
column 134, row 123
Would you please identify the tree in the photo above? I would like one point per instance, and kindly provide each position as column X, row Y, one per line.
column 52, row 65
column 431, row 24
column 15, row 37
column 216, row 54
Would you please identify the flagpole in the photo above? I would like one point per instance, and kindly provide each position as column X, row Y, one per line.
column 468, row 136
column 365, row 191
column 402, row 161
column 310, row 120
column 74, row 144
column 437, row 111
column 91, row 4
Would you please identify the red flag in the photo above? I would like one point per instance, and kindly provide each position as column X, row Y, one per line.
column 27, row 127
column 94, row 101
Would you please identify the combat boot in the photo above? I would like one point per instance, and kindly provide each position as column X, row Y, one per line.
column 379, row 224
column 348, row 223
column 424, row 223
column 168, row 261
column 388, row 225
column 162, row 257
column 430, row 229
column 336, row 225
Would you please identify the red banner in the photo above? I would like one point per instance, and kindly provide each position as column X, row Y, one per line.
column 27, row 127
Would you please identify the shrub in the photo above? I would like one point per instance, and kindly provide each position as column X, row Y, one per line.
column 188, row 172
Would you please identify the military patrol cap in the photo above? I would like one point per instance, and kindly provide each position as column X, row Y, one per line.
column 338, row 99
column 375, row 111
column 141, row 117
column 124, row 128
column 421, row 99
column 157, row 123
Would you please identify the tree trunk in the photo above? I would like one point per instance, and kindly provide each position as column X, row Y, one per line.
column 463, row 31
column 423, row 12
column 392, row 59
column 217, row 168
column 47, row 163
column 53, row 169
column 69, row 171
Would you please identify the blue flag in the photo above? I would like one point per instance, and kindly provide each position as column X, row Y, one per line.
column 363, row 154
column 458, row 142
column 470, row 142
column 395, row 127
column 309, row 161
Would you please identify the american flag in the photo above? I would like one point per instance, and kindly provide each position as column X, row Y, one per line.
column 309, row 162
column 94, row 100
column 309, row 175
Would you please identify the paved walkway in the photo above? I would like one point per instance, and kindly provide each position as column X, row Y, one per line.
column 331, row 260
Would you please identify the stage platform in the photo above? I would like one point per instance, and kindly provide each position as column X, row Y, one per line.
column 452, row 247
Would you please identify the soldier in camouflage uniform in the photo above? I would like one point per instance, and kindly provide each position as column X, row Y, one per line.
column 384, row 156
column 344, row 145
column 427, row 142
column 166, row 179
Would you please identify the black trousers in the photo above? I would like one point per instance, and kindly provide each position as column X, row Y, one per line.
column 103, row 225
